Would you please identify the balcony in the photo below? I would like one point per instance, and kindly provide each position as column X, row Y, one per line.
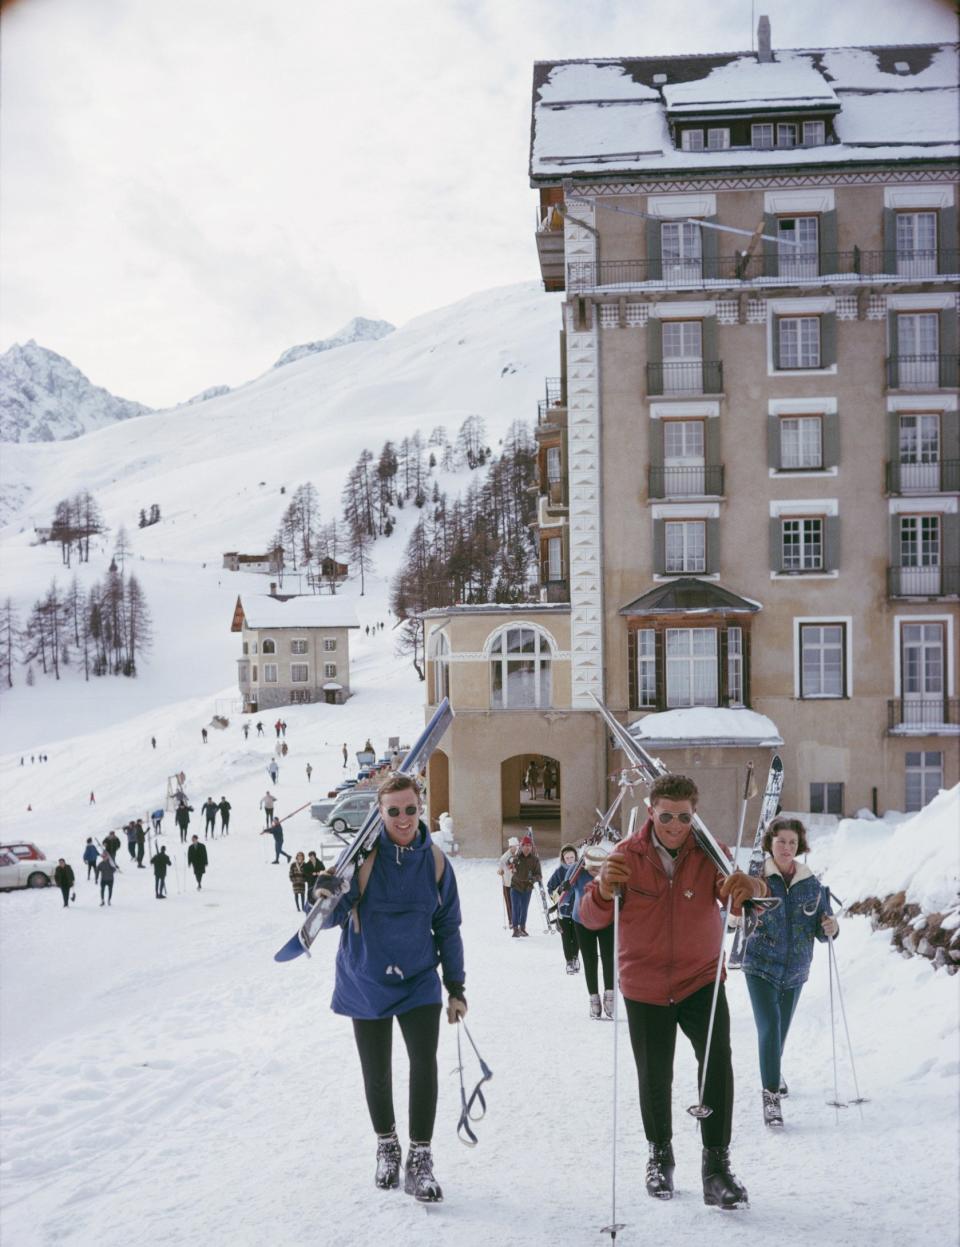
column 681, row 378
column 552, row 505
column 922, row 372
column 553, row 590
column 696, row 482
column 552, row 409
column 942, row 477
column 762, row 269
column 929, row 715
column 923, row 582
column 549, row 235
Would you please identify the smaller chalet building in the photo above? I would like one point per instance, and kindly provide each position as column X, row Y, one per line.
column 270, row 563
column 295, row 650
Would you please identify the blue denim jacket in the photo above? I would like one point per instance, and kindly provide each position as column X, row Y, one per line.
column 781, row 948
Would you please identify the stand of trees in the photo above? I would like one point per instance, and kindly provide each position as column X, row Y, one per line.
column 105, row 629
column 75, row 521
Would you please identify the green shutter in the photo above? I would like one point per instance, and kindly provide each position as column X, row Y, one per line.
column 948, row 348
column 831, row 543
column 893, row 346
column 713, row 546
column 773, row 442
column 654, row 356
column 830, row 439
column 776, row 547
column 708, row 345
column 893, row 451
column 711, row 443
column 654, row 252
column 708, row 250
column 828, row 340
column 889, row 240
column 829, row 260
column 948, row 261
column 775, row 341
column 950, row 447
column 656, row 458
column 659, row 548
column 950, row 552
column 771, row 264
column 894, row 540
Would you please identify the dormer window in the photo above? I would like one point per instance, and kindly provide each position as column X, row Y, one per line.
column 814, row 134
column 761, row 134
column 692, row 140
column 786, row 134
column 718, row 138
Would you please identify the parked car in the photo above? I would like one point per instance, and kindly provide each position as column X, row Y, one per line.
column 22, row 865
column 350, row 811
column 321, row 809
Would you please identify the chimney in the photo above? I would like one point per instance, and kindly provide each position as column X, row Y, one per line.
column 764, row 55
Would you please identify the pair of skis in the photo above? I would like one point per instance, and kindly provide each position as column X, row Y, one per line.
column 353, row 854
column 768, row 808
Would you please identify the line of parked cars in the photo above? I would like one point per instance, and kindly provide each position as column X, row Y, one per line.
column 346, row 808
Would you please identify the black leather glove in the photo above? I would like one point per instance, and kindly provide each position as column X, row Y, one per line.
column 456, row 1002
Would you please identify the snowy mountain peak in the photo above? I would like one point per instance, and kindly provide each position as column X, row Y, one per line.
column 360, row 329
column 45, row 398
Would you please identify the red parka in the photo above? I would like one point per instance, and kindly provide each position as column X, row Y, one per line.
column 669, row 928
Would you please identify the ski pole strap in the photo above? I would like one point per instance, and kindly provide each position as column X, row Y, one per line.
column 465, row 1132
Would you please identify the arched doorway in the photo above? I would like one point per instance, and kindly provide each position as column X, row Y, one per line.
column 530, row 798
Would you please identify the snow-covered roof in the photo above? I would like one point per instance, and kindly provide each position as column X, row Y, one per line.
column 611, row 116
column 309, row 611
column 707, row 725
column 332, row 686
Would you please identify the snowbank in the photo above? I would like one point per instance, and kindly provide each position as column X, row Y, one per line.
column 707, row 725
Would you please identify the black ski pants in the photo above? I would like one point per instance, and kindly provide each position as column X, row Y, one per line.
column 374, row 1039
column 568, row 938
column 653, row 1037
column 592, row 942
column 65, row 893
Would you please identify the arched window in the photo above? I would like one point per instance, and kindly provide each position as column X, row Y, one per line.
column 520, row 659
column 439, row 656
column 268, row 647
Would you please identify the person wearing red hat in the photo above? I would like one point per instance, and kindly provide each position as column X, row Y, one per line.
column 526, row 872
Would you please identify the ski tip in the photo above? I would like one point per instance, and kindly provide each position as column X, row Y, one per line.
column 291, row 950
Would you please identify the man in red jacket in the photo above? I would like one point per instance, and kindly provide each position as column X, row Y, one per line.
column 670, row 933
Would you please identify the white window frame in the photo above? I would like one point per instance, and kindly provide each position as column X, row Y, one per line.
column 822, row 648
column 554, row 465
column 919, row 257
column 681, row 252
column 688, row 539
column 757, row 140
column 918, row 367
column 800, row 621
column 782, row 138
column 810, row 538
column 272, row 642
column 804, row 442
column 921, row 770
column 691, row 140
column 735, row 665
column 798, row 258
column 820, row 130
column 297, row 666
column 802, row 324
column 329, row 670
column 438, row 654
column 646, row 668
column 501, row 658
column 695, row 663
column 946, row 622
column 826, row 785
column 554, row 558
column 299, row 645
column 271, row 673
column 718, row 138
column 329, row 644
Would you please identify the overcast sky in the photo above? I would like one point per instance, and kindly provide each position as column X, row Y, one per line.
column 189, row 187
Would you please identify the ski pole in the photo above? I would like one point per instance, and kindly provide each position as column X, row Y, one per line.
column 836, row 1103
column 296, row 811
column 700, row 1110
column 465, row 1132
column 615, row 1225
column 859, row 1099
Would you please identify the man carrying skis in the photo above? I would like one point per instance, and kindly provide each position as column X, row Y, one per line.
column 276, row 830
column 400, row 918
column 670, row 939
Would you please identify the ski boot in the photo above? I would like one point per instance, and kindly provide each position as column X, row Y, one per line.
column 516, row 933
column 388, row 1161
column 784, row 1090
column 608, row 1004
column 721, row 1188
column 596, row 1010
column 772, row 1115
column 660, row 1168
column 418, row 1179
column 573, row 966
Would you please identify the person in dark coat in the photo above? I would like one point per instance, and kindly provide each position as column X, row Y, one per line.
column 160, row 863
column 568, row 935
column 311, row 868
column 90, row 856
column 130, row 831
column 224, row 808
column 298, row 880
column 157, row 818
column 111, row 842
column 197, row 860
column 526, row 872
column 63, row 878
column 203, row 733
column 141, row 842
column 276, row 830
column 399, row 920
column 209, row 811
column 108, row 869
column 259, row 729
column 777, row 957
column 182, row 819
column 309, row 772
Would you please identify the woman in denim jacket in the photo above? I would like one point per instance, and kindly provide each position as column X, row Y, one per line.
column 778, row 954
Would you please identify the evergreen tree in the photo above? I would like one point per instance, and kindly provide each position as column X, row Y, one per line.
column 9, row 641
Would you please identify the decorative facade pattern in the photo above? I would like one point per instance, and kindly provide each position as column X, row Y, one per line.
column 771, row 181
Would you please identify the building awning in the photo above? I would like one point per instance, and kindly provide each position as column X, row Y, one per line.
column 689, row 595
column 332, row 687
column 710, row 726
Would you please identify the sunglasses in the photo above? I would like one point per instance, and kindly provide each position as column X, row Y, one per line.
column 394, row 811
column 666, row 816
